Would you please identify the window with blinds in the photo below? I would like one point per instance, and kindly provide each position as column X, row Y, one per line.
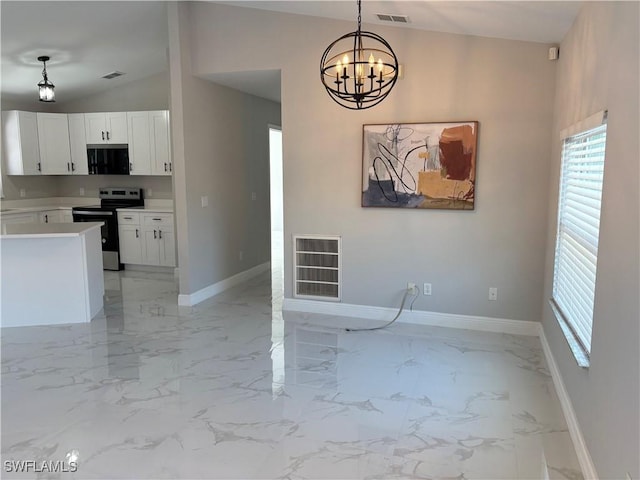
column 576, row 255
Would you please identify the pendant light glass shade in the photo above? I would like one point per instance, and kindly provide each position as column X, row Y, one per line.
column 45, row 87
column 359, row 69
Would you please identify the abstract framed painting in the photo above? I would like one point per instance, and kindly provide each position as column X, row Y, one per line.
column 420, row 165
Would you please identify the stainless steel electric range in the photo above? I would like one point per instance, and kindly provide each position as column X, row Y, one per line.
column 111, row 198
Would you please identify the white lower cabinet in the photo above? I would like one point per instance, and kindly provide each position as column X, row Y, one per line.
column 130, row 244
column 147, row 238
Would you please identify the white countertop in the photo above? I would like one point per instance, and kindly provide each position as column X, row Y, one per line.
column 47, row 230
column 14, row 210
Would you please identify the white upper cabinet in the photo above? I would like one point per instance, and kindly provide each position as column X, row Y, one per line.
column 20, row 147
column 149, row 149
column 56, row 143
column 53, row 140
column 78, row 144
column 139, row 144
column 160, row 146
column 106, row 127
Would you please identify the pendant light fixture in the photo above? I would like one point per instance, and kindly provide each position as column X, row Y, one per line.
column 359, row 69
column 45, row 87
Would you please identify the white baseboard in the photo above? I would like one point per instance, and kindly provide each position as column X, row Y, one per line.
column 188, row 300
column 582, row 452
column 419, row 317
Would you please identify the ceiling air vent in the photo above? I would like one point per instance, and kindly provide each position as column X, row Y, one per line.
column 317, row 267
column 392, row 18
column 111, row 75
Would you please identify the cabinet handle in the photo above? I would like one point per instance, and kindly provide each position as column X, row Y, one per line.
column 159, row 233
column 46, row 218
column 102, row 135
column 128, row 218
column 154, row 234
column 157, row 219
column 73, row 167
column 170, row 167
column 130, row 167
column 137, row 233
column 39, row 167
column 107, row 135
column 165, row 166
column 68, row 167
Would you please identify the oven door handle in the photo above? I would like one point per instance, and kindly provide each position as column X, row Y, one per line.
column 95, row 214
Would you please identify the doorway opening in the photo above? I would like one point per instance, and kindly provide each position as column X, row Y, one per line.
column 277, row 215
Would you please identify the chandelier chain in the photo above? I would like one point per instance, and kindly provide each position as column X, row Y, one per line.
column 359, row 15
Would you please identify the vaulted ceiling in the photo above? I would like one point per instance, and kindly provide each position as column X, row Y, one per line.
column 88, row 39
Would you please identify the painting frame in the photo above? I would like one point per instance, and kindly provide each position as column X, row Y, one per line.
column 429, row 165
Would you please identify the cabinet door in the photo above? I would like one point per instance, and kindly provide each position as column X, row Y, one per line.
column 151, row 253
column 20, row 143
column 116, row 127
column 130, row 244
column 78, row 144
column 167, row 247
column 139, row 145
column 53, row 140
column 160, row 147
column 95, row 128
column 66, row 216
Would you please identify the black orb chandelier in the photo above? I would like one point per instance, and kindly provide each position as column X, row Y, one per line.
column 359, row 69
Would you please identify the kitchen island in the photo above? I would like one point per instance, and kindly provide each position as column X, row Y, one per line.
column 51, row 273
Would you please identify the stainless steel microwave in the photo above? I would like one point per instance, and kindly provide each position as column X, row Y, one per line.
column 108, row 159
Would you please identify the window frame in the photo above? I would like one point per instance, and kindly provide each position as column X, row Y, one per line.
column 583, row 153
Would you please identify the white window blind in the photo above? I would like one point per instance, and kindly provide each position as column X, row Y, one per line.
column 576, row 253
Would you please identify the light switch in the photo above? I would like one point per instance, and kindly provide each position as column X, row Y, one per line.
column 204, row 200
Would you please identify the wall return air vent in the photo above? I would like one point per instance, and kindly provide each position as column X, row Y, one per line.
column 317, row 267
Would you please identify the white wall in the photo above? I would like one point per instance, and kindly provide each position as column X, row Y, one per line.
column 221, row 151
column 506, row 85
column 598, row 70
column 151, row 93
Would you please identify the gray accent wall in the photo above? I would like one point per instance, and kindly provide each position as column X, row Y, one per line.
column 221, row 151
column 598, row 70
column 508, row 86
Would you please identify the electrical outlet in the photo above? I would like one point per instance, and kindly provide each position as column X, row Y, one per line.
column 253, row 195
column 426, row 289
column 23, row 192
column 82, row 191
column 204, row 200
column 149, row 192
column 493, row 293
column 411, row 287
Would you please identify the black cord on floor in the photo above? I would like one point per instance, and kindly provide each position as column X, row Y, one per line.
column 404, row 298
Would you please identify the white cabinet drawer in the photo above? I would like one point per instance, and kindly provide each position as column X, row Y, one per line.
column 128, row 218
column 159, row 219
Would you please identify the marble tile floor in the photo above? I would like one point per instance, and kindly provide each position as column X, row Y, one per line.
column 234, row 389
